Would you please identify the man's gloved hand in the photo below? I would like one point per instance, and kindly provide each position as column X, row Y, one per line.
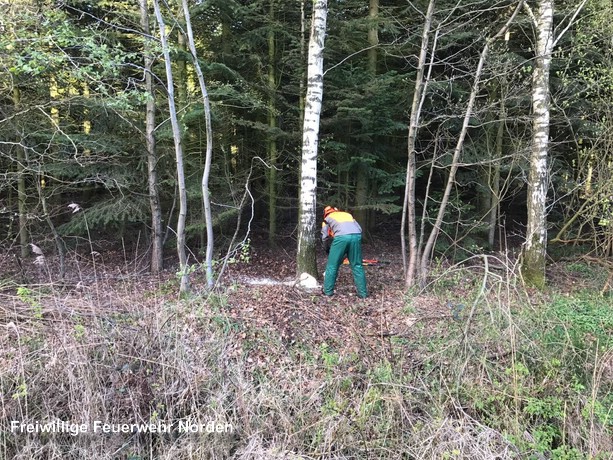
column 327, row 245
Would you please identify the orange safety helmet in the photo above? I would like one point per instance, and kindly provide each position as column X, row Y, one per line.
column 328, row 210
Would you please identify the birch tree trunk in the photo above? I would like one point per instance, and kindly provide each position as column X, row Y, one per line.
column 176, row 132
column 408, row 213
column 157, row 234
column 535, row 247
column 306, row 259
column 209, row 148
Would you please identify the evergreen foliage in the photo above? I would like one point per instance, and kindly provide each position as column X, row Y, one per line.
column 78, row 71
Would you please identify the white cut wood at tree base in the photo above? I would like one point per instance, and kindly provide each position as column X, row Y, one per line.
column 306, row 259
column 304, row 281
column 307, row 281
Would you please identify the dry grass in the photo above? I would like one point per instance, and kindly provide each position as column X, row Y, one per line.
column 178, row 361
column 111, row 354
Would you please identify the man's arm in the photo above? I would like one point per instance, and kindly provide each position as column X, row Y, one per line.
column 325, row 237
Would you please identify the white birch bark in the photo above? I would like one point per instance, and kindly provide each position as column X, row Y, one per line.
column 208, row 220
column 176, row 131
column 535, row 247
column 306, row 260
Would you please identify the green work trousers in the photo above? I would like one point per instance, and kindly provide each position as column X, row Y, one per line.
column 349, row 246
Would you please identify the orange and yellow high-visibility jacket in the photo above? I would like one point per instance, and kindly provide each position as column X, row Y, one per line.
column 339, row 223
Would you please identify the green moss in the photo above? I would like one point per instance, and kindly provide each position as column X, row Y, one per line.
column 533, row 266
column 533, row 277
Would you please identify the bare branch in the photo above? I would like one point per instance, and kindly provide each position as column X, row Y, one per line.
column 570, row 22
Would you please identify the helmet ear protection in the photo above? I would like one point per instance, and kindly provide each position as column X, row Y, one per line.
column 328, row 210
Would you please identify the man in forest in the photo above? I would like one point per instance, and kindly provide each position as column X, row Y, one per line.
column 342, row 237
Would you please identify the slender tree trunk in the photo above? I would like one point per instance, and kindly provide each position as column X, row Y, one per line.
column 362, row 183
column 87, row 123
column 408, row 213
column 373, row 35
column 307, row 262
column 272, row 126
column 59, row 243
column 176, row 131
column 40, row 184
column 21, row 187
column 181, row 74
column 157, row 234
column 208, row 220
column 494, row 177
column 427, row 252
column 361, row 196
column 535, row 247
column 21, row 201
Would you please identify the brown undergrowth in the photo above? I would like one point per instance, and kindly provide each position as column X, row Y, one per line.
column 461, row 370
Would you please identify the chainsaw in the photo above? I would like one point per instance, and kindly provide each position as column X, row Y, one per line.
column 368, row 262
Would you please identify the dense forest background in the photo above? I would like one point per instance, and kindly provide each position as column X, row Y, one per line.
column 138, row 137
column 74, row 121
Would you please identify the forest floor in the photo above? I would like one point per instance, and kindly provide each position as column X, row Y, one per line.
column 342, row 320
column 475, row 366
column 260, row 292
